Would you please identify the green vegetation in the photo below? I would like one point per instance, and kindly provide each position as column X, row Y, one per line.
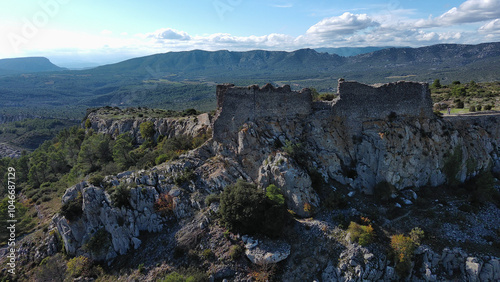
column 99, row 242
column 451, row 166
column 362, row 234
column 79, row 266
column 236, row 252
column 24, row 224
column 212, row 198
column 482, row 189
column 273, row 193
column 72, row 209
column 471, row 96
column 31, row 133
column 147, row 130
column 403, row 248
column 120, row 195
column 246, row 209
column 189, row 275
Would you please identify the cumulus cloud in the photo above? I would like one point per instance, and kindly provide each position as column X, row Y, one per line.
column 169, row 34
column 491, row 28
column 167, row 39
column 468, row 12
column 345, row 24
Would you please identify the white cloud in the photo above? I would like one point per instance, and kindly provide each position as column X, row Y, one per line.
column 169, row 34
column 288, row 5
column 106, row 32
column 491, row 29
column 345, row 24
column 470, row 11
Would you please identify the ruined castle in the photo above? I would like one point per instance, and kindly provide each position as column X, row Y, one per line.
column 356, row 102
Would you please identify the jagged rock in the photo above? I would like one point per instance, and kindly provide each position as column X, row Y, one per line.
column 268, row 252
column 136, row 242
column 169, row 127
column 473, row 268
column 294, row 182
column 123, row 224
column 330, row 273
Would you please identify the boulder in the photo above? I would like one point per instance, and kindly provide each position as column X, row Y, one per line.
column 268, row 252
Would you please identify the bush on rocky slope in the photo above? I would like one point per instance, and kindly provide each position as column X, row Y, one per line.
column 245, row 208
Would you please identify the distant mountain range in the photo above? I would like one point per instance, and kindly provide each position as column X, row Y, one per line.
column 178, row 80
column 453, row 61
column 27, row 65
column 350, row 51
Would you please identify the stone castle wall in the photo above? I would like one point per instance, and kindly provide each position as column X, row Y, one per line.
column 361, row 101
column 238, row 105
column 357, row 102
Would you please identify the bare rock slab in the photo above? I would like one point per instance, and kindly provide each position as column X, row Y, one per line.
column 268, row 252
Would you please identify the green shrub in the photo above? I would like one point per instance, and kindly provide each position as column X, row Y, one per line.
column 472, row 108
column 451, row 166
column 161, row 159
column 383, row 191
column 326, row 97
column 483, row 189
column 96, row 179
column 99, row 242
column 479, row 108
column 488, row 107
column 141, row 268
column 72, row 210
column 186, row 275
column 236, row 252
column 273, row 193
column 207, row 254
column 296, row 151
column 362, row 234
column 147, row 130
column 246, row 209
column 187, row 176
column 79, row 266
column 120, row 196
column 212, row 198
column 403, row 248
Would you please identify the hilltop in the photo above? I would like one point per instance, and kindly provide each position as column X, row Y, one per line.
column 273, row 185
column 181, row 80
column 27, row 65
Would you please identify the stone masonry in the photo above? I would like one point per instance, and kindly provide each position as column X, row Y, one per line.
column 356, row 103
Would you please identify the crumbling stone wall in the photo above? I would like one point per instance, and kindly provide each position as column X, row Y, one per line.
column 362, row 102
column 357, row 102
column 237, row 105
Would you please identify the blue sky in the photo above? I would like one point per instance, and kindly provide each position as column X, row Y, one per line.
column 105, row 31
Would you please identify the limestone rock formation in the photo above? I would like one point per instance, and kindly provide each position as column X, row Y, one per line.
column 278, row 136
column 169, row 127
column 266, row 251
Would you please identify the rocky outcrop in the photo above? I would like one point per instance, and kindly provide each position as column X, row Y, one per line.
column 402, row 148
column 103, row 122
column 357, row 262
column 294, row 181
column 122, row 223
column 265, row 251
column 406, row 148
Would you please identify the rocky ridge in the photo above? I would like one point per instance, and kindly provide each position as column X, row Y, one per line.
column 404, row 151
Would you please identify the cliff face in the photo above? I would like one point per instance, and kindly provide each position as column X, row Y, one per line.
column 112, row 123
column 404, row 148
column 363, row 143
